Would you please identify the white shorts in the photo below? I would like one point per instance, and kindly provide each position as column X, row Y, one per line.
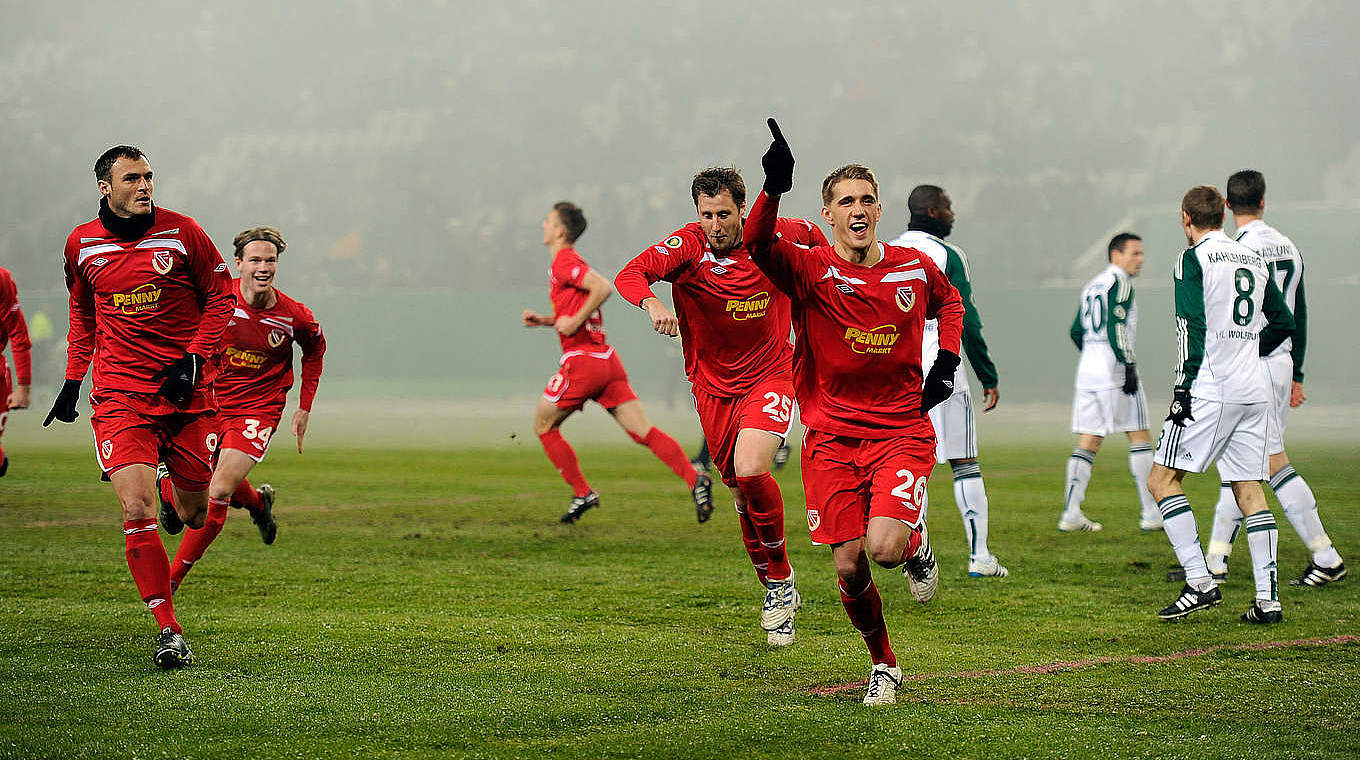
column 1109, row 411
column 955, row 432
column 1280, row 370
column 1233, row 435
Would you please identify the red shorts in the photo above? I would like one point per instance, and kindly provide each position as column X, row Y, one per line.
column 768, row 406
column 846, row 481
column 248, row 432
column 142, row 428
column 597, row 377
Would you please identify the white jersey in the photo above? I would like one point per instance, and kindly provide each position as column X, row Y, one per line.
column 1220, row 312
column 1105, row 327
column 1285, row 264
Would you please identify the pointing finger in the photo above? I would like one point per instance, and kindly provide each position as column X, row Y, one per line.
column 774, row 130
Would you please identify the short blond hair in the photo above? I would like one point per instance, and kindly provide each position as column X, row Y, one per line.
column 267, row 234
column 849, row 171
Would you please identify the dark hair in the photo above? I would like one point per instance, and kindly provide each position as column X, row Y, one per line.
column 923, row 198
column 1204, row 205
column 571, row 217
column 849, row 171
column 1247, row 190
column 716, row 179
column 1118, row 242
column 103, row 168
column 265, row 234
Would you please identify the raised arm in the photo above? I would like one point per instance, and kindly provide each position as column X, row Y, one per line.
column 774, row 256
column 663, row 261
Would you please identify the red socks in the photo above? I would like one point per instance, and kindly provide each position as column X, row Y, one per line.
column 196, row 541
column 754, row 549
column 913, row 543
column 866, row 615
column 244, row 497
column 150, row 570
column 563, row 458
column 167, row 491
column 765, row 508
column 668, row 451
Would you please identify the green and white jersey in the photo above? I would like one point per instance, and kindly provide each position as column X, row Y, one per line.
column 1286, row 266
column 1104, row 330
column 954, row 263
column 1227, row 310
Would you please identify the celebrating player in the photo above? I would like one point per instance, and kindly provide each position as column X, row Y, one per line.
column 14, row 333
column 150, row 299
column 591, row 370
column 932, row 219
column 859, row 311
column 255, row 371
column 1228, row 314
column 735, row 327
column 1108, row 394
column 1284, row 368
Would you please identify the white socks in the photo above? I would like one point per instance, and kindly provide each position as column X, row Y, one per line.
column 1140, row 464
column 1078, row 477
column 1262, row 539
column 971, row 497
column 1179, row 523
column 1300, row 507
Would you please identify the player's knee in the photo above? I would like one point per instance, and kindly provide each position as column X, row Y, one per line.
column 140, row 507
column 750, row 467
column 196, row 521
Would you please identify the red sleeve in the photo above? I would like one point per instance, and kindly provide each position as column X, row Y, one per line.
column 945, row 306
column 570, row 268
column 776, row 257
column 313, row 345
column 209, row 273
column 811, row 235
column 80, row 334
column 664, row 261
column 17, row 330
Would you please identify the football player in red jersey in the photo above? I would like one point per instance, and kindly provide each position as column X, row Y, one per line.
column 591, row 370
column 150, row 300
column 735, row 329
column 255, row 372
column 859, row 311
column 14, row 333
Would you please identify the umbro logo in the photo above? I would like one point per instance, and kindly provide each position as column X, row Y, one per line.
column 99, row 262
column 719, row 270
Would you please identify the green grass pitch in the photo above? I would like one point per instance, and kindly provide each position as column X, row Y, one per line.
column 427, row 603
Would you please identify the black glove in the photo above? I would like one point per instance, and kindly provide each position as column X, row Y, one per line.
column 64, row 408
column 179, row 377
column 939, row 384
column 1180, row 407
column 778, row 163
column 1130, row 379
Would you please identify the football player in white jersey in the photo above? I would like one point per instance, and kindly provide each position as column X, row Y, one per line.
column 1284, row 367
column 1108, row 395
column 1228, row 313
column 932, row 219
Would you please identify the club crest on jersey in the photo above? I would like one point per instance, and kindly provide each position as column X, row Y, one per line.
column 814, row 519
column 276, row 338
column 876, row 340
column 674, row 241
column 906, row 298
column 106, row 448
column 162, row 261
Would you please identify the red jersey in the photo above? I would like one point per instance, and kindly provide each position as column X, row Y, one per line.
column 568, row 296
column 13, row 330
column 857, row 361
column 255, row 364
column 734, row 323
column 137, row 305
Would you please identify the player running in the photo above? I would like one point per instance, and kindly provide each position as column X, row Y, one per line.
column 591, row 370
column 1284, row 368
column 859, row 311
column 150, row 300
column 14, row 333
column 1108, row 395
column 1228, row 313
column 932, row 219
column 735, row 329
column 255, row 372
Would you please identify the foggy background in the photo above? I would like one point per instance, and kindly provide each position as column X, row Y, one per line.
column 408, row 152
